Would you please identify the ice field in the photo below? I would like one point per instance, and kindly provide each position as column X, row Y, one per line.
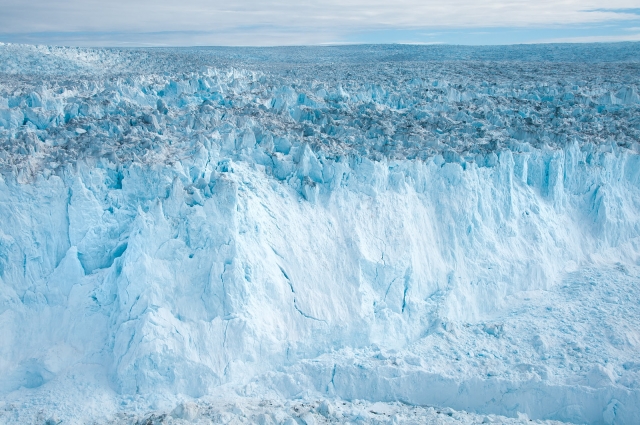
column 356, row 234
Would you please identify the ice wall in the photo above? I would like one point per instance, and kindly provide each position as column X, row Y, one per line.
column 180, row 233
column 181, row 286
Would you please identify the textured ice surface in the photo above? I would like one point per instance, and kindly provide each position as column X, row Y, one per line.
column 314, row 411
column 437, row 226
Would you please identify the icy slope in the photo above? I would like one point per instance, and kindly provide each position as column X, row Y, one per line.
column 386, row 229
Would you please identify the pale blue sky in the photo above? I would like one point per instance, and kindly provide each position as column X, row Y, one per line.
column 289, row 22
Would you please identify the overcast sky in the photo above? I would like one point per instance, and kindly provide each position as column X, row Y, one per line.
column 286, row 22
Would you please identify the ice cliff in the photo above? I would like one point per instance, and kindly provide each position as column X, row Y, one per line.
column 375, row 223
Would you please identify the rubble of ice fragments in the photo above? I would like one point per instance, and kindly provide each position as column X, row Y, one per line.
column 462, row 110
column 437, row 226
column 317, row 411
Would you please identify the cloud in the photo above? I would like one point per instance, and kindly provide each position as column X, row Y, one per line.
column 270, row 22
column 632, row 11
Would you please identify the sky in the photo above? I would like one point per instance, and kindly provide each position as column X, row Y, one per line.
column 308, row 22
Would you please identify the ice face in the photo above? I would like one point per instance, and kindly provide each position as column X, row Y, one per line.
column 175, row 222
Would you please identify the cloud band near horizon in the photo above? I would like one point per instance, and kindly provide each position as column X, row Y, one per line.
column 287, row 22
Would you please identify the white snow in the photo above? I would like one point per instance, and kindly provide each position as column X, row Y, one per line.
column 230, row 227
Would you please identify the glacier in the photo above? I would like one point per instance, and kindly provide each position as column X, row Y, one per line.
column 369, row 234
